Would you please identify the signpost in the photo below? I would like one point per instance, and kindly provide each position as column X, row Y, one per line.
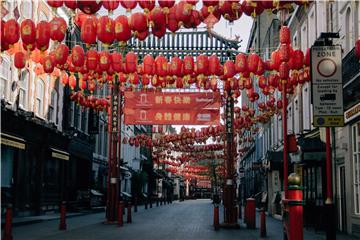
column 327, row 88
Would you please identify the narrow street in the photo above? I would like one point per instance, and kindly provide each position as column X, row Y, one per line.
column 191, row 219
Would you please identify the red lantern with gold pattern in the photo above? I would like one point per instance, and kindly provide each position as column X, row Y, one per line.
column 159, row 31
column 261, row 68
column 77, row 56
column 157, row 17
column 147, row 5
column 105, row 30
column 110, row 5
column 42, row 35
column 55, row 3
column 284, row 51
column 28, row 33
column 172, row 23
column 275, row 60
column 298, row 57
column 138, row 22
column 166, row 3
column 92, row 59
column 149, row 65
column 161, row 66
column 141, row 36
column 57, row 29
column 176, row 66
column 183, row 12
column 104, row 60
column 88, row 31
column 19, row 60
column 128, row 4
column 116, row 60
column 72, row 4
column 202, row 64
column 229, row 69
column 214, row 65
column 61, row 54
column 122, row 29
column 241, row 63
column 188, row 65
column 131, row 61
column 48, row 64
column 284, row 71
column 11, row 32
column 252, row 62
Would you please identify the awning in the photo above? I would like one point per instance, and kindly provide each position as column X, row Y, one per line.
column 56, row 153
column 96, row 193
column 12, row 141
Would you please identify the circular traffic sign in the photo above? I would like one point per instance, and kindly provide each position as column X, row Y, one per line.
column 326, row 67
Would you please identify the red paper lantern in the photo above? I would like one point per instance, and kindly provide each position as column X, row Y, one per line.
column 148, row 65
column 131, row 62
column 260, row 68
column 55, row 3
column 11, row 32
column 157, row 17
column 42, row 35
column 105, row 30
column 188, row 65
column 183, row 12
column 19, row 60
column 138, row 22
column 147, row 5
column 72, row 4
column 262, row 82
column 159, row 31
column 284, row 51
column 77, row 56
column 285, row 35
column 61, row 54
column 128, row 4
column 92, row 59
column 110, row 5
column 88, row 31
column 202, row 64
column 122, row 29
column 284, row 71
column 64, row 78
column 252, row 62
column 275, row 60
column 104, row 60
column 166, row 3
column 57, row 29
column 229, row 69
column 116, row 60
column 141, row 36
column 89, row 6
column 214, row 65
column 240, row 63
column 48, row 64
column 27, row 33
column 172, row 23
column 161, row 66
column 176, row 66
column 252, row 8
column 298, row 57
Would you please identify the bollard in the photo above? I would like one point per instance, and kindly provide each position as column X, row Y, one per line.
column 250, row 214
column 157, row 202
column 120, row 213
column 150, row 202
column 161, row 203
column 146, row 204
column 8, row 223
column 129, row 220
column 62, row 225
column 216, row 217
column 135, row 205
column 262, row 223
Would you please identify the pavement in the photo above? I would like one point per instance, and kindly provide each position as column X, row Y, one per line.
column 190, row 219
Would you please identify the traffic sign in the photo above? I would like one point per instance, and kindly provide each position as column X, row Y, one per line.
column 327, row 87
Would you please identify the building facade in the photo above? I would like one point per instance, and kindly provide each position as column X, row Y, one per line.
column 306, row 24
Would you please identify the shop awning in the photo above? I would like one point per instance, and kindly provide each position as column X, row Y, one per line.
column 12, row 141
column 56, row 153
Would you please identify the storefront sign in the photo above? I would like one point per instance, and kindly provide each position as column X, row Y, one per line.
column 12, row 141
column 352, row 113
column 172, row 108
column 115, row 112
column 327, row 87
column 59, row 154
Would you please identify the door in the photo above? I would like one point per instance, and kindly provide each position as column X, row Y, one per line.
column 341, row 198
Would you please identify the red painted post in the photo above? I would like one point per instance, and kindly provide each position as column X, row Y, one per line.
column 62, row 225
column 329, row 193
column 285, row 151
column 262, row 223
column 294, row 220
column 251, row 213
column 8, row 223
column 216, row 217
column 129, row 219
column 120, row 213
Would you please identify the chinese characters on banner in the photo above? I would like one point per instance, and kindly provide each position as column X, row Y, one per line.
column 172, row 108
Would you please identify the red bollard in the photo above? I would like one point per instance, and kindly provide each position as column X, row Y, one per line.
column 8, row 223
column 262, row 223
column 62, row 225
column 120, row 214
column 129, row 220
column 216, row 217
column 251, row 213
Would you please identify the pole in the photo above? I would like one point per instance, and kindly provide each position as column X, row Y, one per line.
column 62, row 225
column 285, row 152
column 7, row 235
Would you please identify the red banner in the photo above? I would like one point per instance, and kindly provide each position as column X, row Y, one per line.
column 172, row 108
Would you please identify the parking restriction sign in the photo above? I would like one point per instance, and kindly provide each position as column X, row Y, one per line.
column 327, row 87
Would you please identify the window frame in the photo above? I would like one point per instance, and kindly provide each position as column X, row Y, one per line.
column 24, row 86
column 355, row 142
column 40, row 99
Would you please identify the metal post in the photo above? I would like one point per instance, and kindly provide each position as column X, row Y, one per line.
column 285, row 152
column 62, row 225
column 7, row 235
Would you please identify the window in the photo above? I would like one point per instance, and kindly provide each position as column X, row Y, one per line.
column 39, row 110
column 52, row 115
column 4, row 75
column 306, row 107
column 356, row 166
column 23, row 88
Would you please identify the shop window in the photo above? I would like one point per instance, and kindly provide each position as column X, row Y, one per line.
column 39, row 98
column 356, row 166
